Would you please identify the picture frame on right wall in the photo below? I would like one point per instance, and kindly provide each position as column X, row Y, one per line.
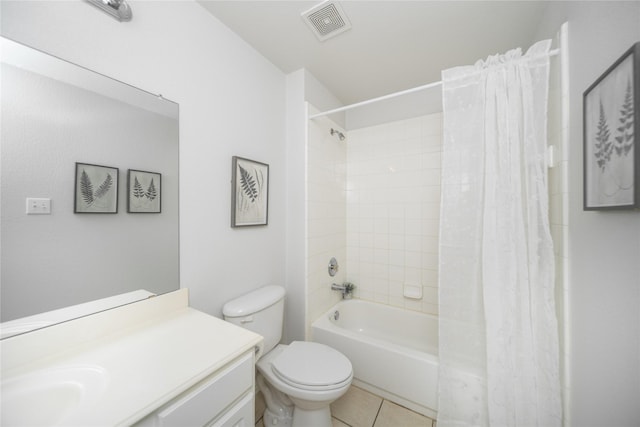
column 612, row 136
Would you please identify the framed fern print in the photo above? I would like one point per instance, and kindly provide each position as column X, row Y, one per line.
column 144, row 192
column 611, row 136
column 96, row 189
column 249, row 193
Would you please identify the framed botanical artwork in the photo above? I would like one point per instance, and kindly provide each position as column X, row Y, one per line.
column 611, row 136
column 96, row 189
column 249, row 192
column 144, row 191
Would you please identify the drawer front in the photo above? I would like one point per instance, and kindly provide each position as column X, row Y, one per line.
column 206, row 401
column 241, row 415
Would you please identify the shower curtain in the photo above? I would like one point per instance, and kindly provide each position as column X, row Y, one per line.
column 498, row 331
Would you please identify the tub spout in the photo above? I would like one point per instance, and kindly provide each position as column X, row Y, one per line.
column 346, row 289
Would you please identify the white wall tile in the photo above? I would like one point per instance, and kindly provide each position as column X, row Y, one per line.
column 393, row 210
column 327, row 217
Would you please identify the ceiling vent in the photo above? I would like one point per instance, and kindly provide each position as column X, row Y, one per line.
column 326, row 20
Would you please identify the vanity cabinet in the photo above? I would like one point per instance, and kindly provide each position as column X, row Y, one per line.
column 153, row 363
column 225, row 398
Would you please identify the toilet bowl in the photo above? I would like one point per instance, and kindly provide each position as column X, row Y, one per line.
column 299, row 381
column 311, row 375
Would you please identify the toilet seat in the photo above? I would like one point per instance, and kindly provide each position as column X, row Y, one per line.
column 312, row 366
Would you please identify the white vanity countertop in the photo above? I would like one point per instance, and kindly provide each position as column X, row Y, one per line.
column 146, row 360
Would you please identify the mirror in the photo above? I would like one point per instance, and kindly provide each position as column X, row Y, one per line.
column 56, row 114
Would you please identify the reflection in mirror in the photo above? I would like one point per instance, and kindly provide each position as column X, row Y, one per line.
column 56, row 114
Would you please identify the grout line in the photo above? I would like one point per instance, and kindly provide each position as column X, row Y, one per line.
column 342, row 421
column 378, row 413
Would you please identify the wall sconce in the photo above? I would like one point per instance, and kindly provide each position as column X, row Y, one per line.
column 119, row 9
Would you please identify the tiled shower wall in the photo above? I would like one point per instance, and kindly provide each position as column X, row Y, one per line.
column 373, row 203
column 393, row 208
column 326, row 216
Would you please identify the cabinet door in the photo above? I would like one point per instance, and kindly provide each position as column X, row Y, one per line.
column 205, row 402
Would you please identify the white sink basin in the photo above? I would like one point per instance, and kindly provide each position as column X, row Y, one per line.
column 51, row 397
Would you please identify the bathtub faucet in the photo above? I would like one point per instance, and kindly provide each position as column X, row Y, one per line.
column 346, row 289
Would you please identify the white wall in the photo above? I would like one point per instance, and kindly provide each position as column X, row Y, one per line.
column 416, row 104
column 604, row 247
column 295, row 308
column 232, row 102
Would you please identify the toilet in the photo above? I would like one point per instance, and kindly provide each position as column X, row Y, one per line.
column 300, row 380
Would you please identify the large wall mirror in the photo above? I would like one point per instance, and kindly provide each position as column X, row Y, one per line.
column 56, row 114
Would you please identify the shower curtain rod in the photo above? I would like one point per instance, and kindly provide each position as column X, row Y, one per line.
column 552, row 52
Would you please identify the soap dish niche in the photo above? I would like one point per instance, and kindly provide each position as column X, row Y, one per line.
column 412, row 291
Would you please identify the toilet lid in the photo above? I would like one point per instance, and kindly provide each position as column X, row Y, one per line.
column 314, row 365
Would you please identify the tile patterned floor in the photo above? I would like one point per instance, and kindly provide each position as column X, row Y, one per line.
column 359, row 408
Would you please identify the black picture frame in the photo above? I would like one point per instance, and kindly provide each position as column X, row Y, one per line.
column 95, row 189
column 144, row 191
column 611, row 135
column 249, row 193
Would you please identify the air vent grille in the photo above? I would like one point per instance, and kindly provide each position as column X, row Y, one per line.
column 326, row 20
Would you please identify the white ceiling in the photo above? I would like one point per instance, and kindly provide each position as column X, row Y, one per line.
column 393, row 45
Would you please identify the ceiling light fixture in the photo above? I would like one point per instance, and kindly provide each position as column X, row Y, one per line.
column 119, row 9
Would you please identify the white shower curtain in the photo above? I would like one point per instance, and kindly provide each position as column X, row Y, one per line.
column 498, row 330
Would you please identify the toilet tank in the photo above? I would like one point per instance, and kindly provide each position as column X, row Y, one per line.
column 261, row 311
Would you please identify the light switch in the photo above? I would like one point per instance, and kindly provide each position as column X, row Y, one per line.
column 38, row 206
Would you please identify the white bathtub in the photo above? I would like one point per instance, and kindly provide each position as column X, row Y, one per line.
column 394, row 352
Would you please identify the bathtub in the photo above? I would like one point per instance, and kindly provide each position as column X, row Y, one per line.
column 394, row 352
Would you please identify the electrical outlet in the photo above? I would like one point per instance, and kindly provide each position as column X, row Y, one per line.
column 38, row 206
